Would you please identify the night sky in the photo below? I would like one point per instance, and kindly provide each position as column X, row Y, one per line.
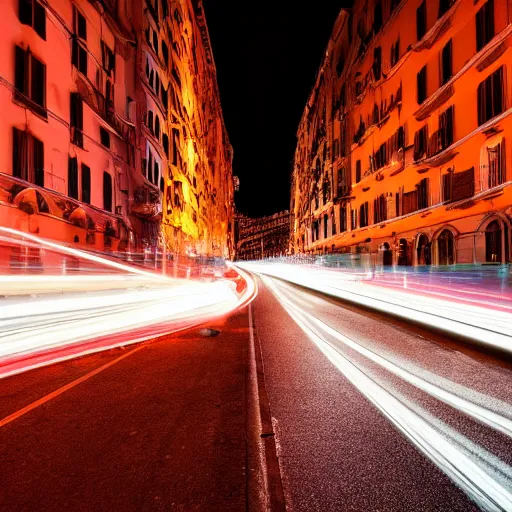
column 267, row 55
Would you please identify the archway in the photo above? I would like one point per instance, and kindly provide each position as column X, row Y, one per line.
column 423, row 251
column 493, row 242
column 403, row 252
column 445, row 248
column 387, row 255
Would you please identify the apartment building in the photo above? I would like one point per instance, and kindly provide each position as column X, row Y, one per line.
column 86, row 129
column 262, row 237
column 402, row 149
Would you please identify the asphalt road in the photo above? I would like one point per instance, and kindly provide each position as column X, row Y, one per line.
column 368, row 414
column 159, row 426
column 373, row 414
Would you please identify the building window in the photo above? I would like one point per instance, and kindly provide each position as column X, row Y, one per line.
column 76, row 119
column 78, row 45
column 165, row 143
column 444, row 6
column 377, row 17
column 326, row 223
column 446, row 62
column 150, row 121
column 353, row 219
column 343, row 96
column 157, row 127
column 155, row 42
column 363, row 215
column 107, row 59
column 156, row 173
column 380, row 209
column 86, row 184
column 490, row 97
column 421, row 80
column 421, row 20
column 175, row 145
column 343, row 219
column 420, row 142
column 484, row 24
column 395, row 52
column 165, row 54
column 496, row 158
column 377, row 62
column 104, row 137
column 333, row 222
column 447, row 186
column 446, row 127
column 27, row 157
column 358, row 171
column 32, row 13
column 423, row 194
column 30, row 81
column 107, row 191
column 335, row 149
column 73, row 177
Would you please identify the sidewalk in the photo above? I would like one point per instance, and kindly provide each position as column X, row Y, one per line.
column 167, row 427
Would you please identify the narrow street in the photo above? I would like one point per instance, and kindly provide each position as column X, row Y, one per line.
column 367, row 413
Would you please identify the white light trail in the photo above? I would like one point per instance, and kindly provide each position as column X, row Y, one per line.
column 484, row 478
column 481, row 324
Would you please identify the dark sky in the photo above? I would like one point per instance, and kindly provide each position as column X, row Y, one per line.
column 267, row 54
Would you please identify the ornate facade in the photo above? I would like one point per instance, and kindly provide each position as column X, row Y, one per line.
column 262, row 237
column 404, row 148
column 112, row 131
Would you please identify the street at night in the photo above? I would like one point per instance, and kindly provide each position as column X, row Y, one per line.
column 255, row 257
column 367, row 413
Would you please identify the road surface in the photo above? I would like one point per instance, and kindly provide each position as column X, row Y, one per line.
column 371, row 414
column 366, row 413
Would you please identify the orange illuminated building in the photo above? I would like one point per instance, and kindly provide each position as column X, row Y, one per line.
column 111, row 134
column 404, row 148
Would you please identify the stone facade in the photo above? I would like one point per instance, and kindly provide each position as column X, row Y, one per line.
column 404, row 148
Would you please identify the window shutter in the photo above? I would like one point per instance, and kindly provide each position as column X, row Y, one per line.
column 38, row 148
column 18, row 153
column 21, row 71
column 25, row 12
column 107, row 191
column 86, row 184
column 39, row 19
column 73, row 177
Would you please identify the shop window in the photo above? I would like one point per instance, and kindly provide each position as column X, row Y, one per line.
column 33, row 13
column 445, row 248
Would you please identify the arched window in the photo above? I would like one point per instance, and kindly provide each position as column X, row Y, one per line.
column 423, row 250
column 403, row 252
column 493, row 242
column 387, row 254
column 445, row 248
